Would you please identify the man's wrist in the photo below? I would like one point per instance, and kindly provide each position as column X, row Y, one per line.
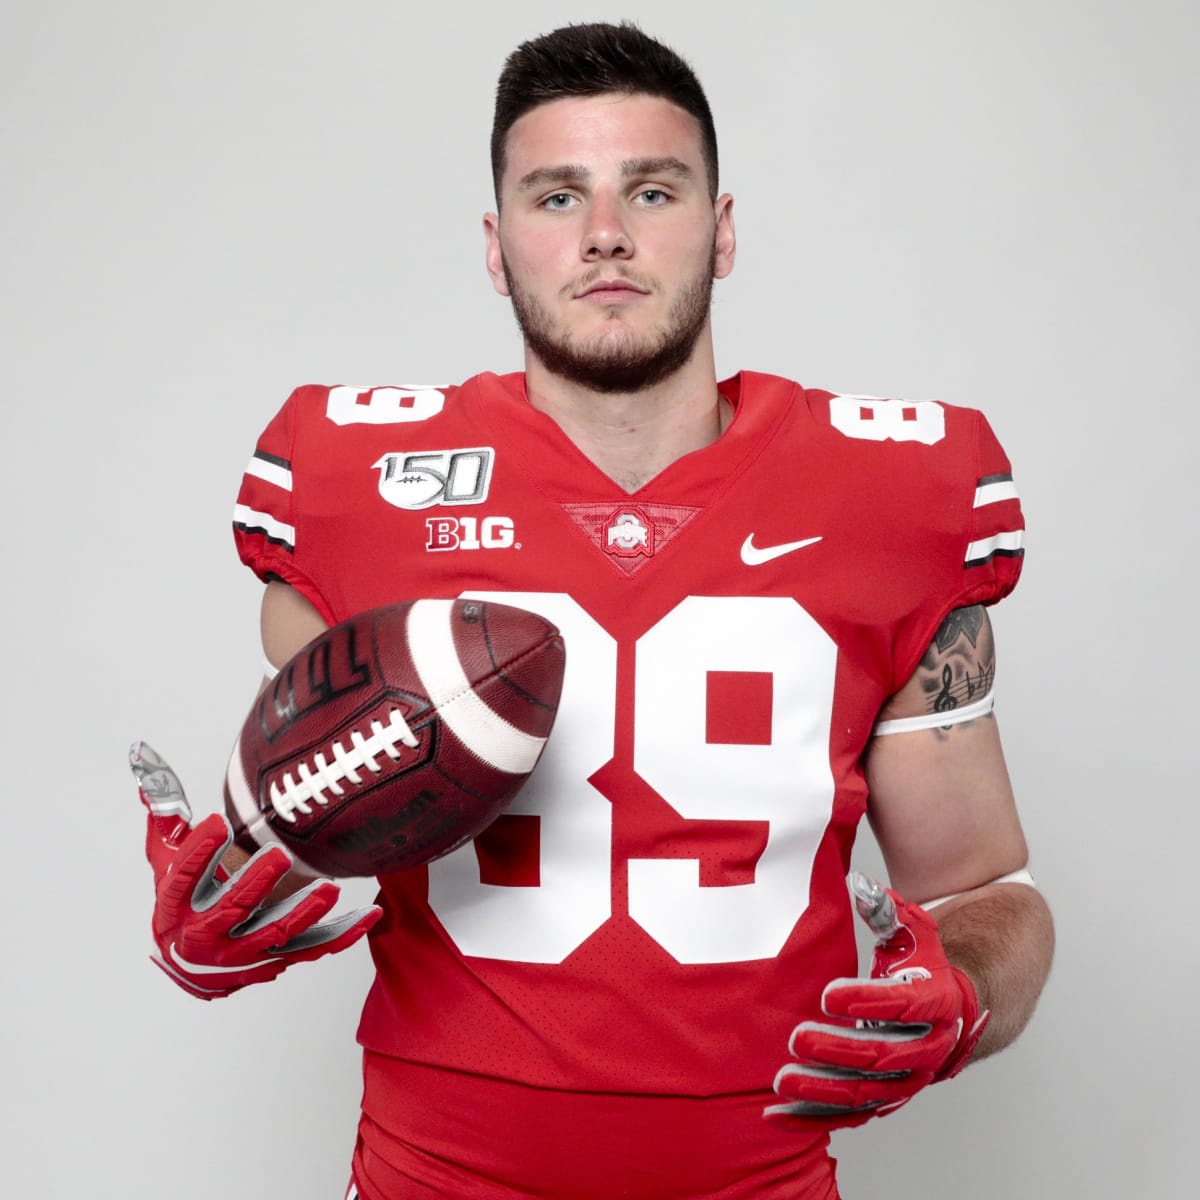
column 975, row 1018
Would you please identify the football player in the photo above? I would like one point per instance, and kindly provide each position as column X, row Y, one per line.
column 642, row 979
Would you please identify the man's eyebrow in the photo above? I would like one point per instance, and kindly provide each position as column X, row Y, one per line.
column 565, row 173
column 573, row 174
column 664, row 165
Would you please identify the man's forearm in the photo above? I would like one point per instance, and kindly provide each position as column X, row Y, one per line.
column 1002, row 936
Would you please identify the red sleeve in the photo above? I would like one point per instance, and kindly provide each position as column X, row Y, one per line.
column 266, row 528
column 995, row 546
column 970, row 515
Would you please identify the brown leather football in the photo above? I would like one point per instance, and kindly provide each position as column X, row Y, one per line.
column 396, row 736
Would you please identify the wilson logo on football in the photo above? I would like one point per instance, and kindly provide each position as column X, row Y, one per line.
column 423, row 478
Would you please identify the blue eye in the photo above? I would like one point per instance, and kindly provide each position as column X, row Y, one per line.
column 653, row 197
column 558, row 201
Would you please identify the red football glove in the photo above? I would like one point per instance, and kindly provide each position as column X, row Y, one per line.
column 915, row 1021
column 215, row 933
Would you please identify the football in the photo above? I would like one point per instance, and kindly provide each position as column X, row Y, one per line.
column 396, row 736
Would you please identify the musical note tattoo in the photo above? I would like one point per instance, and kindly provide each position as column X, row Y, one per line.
column 945, row 699
column 960, row 664
column 958, row 667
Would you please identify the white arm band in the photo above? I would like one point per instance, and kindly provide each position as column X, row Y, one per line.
column 270, row 670
column 937, row 720
column 1021, row 876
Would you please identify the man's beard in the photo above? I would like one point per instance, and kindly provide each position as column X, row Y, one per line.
column 619, row 365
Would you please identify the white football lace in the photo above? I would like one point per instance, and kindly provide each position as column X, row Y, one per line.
column 310, row 785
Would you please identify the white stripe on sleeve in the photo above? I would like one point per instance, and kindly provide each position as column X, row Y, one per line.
column 250, row 519
column 1008, row 542
column 993, row 493
column 270, row 472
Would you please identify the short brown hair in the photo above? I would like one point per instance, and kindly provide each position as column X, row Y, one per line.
column 592, row 60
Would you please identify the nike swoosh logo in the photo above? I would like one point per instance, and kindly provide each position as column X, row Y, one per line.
column 755, row 556
column 204, row 969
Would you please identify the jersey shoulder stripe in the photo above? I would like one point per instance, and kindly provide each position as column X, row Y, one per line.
column 992, row 489
column 1006, row 544
column 248, row 520
column 270, row 468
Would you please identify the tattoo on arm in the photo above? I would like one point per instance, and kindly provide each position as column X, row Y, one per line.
column 962, row 622
column 960, row 663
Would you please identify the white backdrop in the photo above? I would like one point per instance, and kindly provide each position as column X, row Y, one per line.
column 204, row 205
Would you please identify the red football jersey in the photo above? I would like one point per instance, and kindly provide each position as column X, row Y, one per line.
column 665, row 900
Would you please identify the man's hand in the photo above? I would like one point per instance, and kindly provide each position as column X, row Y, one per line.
column 915, row 1021
column 216, row 932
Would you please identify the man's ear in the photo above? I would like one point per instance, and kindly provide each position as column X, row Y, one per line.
column 725, row 242
column 493, row 256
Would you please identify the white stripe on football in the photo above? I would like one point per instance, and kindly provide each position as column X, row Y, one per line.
column 477, row 726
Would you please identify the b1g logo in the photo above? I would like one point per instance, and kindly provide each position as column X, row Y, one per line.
column 423, row 478
column 470, row 533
